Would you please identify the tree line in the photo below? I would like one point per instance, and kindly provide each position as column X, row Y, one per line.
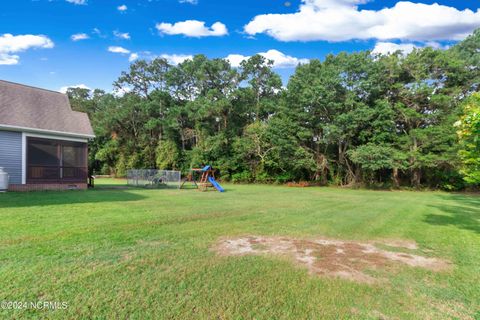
column 391, row 120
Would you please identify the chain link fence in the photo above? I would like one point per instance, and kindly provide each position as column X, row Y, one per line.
column 151, row 178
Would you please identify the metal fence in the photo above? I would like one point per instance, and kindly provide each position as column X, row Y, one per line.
column 150, row 178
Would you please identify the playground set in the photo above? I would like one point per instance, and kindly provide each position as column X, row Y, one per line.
column 202, row 179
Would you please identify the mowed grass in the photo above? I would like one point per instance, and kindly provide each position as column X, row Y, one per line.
column 146, row 254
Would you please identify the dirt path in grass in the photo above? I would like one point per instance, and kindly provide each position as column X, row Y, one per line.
column 335, row 258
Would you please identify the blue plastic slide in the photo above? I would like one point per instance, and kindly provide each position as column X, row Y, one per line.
column 215, row 184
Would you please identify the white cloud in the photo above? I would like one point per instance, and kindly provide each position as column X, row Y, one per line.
column 173, row 59
column 79, row 36
column 10, row 44
column 122, row 8
column 192, row 28
column 121, row 50
column 189, row 1
column 342, row 21
column 77, row 2
column 391, row 47
column 8, row 59
column 120, row 92
column 121, row 35
column 176, row 59
column 81, row 86
column 133, row 57
column 280, row 60
column 236, row 59
column 99, row 33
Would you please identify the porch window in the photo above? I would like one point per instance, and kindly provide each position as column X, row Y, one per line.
column 56, row 161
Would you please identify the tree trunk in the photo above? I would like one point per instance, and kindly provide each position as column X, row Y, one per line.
column 358, row 175
column 321, row 172
column 349, row 176
column 182, row 137
column 395, row 178
column 415, row 178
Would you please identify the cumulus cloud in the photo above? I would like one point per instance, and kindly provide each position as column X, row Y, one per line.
column 10, row 45
column 79, row 36
column 236, row 59
column 122, row 35
column 122, row 8
column 280, row 60
column 173, row 59
column 342, row 20
column 391, row 47
column 78, row 2
column 176, row 59
column 81, row 86
column 8, row 59
column 193, row 28
column 189, row 1
column 121, row 50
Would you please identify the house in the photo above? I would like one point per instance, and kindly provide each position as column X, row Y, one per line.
column 43, row 142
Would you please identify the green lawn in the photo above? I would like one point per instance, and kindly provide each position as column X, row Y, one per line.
column 146, row 254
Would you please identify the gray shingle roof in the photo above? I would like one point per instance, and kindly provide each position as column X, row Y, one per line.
column 40, row 109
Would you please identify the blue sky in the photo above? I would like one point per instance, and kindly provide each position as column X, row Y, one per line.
column 58, row 43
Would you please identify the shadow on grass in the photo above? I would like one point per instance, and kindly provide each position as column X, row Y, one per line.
column 464, row 213
column 49, row 198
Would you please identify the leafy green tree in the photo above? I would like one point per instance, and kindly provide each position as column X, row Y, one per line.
column 264, row 86
column 354, row 118
column 424, row 106
column 378, row 158
column 144, row 77
column 469, row 133
column 254, row 147
column 168, row 155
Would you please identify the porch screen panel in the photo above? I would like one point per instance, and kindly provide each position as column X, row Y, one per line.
column 56, row 161
column 43, row 153
column 74, row 157
column 43, row 160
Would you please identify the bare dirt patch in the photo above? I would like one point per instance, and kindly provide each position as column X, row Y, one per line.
column 334, row 258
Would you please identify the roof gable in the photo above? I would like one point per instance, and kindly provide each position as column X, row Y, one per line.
column 39, row 109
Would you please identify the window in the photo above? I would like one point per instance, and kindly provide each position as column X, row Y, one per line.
column 56, row 161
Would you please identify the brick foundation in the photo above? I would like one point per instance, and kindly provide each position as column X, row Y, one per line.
column 47, row 187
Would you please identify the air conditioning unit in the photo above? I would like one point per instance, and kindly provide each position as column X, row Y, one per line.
column 3, row 180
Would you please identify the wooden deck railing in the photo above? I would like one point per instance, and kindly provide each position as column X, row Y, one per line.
column 56, row 174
